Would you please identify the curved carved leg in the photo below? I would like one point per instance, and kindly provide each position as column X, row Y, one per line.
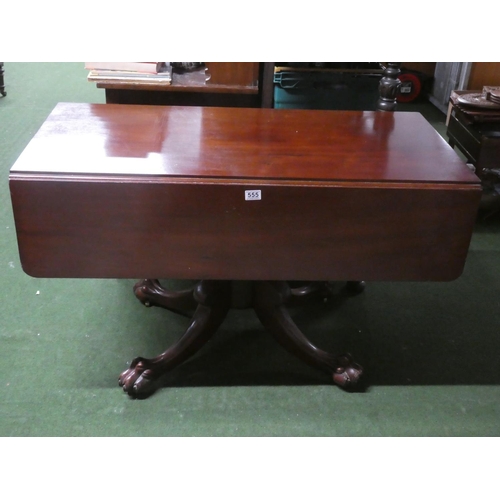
column 213, row 298
column 320, row 289
column 269, row 301
column 151, row 293
column 311, row 289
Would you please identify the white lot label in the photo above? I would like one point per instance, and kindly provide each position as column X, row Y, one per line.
column 253, row 195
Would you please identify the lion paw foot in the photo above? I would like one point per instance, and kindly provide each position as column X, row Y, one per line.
column 347, row 373
column 138, row 381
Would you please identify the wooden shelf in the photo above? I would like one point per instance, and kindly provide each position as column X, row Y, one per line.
column 227, row 84
column 192, row 81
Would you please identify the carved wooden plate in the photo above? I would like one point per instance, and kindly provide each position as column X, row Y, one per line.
column 493, row 96
column 478, row 101
column 493, row 91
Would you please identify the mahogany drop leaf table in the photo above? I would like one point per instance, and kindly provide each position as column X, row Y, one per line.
column 228, row 196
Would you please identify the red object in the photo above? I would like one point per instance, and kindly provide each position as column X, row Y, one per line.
column 411, row 83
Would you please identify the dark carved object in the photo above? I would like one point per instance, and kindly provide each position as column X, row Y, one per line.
column 151, row 293
column 269, row 303
column 388, row 87
column 213, row 299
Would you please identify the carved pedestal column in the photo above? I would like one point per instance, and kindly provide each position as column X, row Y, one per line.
column 388, row 88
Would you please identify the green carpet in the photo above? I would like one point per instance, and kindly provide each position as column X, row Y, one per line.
column 431, row 351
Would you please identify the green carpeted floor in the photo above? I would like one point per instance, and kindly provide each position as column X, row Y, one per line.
column 431, row 351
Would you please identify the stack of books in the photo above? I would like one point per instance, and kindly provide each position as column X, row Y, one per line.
column 130, row 72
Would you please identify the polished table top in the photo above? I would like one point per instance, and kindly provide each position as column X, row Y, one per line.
column 124, row 191
column 243, row 143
